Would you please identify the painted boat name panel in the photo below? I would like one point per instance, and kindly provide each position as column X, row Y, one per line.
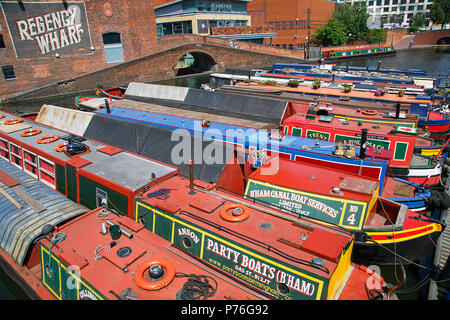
column 346, row 213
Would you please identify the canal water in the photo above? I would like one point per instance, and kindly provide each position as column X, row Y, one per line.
column 433, row 61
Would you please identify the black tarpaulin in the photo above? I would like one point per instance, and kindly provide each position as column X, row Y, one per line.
column 174, row 147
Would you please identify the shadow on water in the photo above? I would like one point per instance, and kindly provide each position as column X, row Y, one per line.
column 433, row 61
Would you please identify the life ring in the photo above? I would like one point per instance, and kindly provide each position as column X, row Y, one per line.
column 61, row 147
column 148, row 283
column 47, row 139
column 369, row 112
column 30, row 132
column 243, row 214
column 13, row 121
column 2, row 116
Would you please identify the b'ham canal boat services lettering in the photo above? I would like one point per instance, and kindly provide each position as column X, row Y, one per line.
column 345, row 213
column 50, row 26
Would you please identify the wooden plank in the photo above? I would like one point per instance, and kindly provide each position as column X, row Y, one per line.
column 18, row 205
column 28, row 199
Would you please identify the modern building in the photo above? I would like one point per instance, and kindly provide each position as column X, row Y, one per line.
column 390, row 12
column 199, row 17
column 294, row 20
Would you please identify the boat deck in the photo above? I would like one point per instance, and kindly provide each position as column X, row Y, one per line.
column 129, row 109
column 101, row 160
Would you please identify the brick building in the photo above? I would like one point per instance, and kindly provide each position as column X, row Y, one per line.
column 293, row 20
column 43, row 42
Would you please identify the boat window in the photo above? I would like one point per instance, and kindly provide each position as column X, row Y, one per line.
column 47, row 172
column 4, row 150
column 15, row 155
column 113, row 47
column 2, row 43
column 30, row 163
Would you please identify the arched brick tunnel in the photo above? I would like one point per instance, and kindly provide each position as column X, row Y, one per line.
column 432, row 38
column 202, row 62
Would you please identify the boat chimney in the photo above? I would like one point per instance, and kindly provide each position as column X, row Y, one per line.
column 363, row 145
column 333, row 78
column 397, row 110
column 379, row 65
column 108, row 109
column 191, row 176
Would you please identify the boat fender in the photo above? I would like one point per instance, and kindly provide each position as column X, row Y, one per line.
column 47, row 139
column 239, row 213
column 30, row 132
column 369, row 112
column 13, row 121
column 161, row 273
column 2, row 116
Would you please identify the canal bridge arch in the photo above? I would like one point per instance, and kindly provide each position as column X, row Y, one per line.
column 431, row 38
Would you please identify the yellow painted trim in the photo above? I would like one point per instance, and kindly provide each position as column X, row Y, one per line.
column 413, row 123
column 344, row 135
column 320, row 282
column 44, row 274
column 61, row 265
column 317, row 131
column 436, row 228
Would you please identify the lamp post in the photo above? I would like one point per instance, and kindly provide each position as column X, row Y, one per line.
column 349, row 38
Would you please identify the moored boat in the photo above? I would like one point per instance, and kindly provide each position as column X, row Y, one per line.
column 386, row 231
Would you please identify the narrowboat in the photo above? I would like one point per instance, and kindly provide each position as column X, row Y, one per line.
column 385, row 230
column 436, row 122
column 112, row 93
column 401, row 142
column 84, row 170
column 357, row 70
column 56, row 249
column 283, row 255
column 332, row 54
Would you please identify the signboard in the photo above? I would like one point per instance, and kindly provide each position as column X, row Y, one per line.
column 41, row 29
column 346, row 213
column 372, row 141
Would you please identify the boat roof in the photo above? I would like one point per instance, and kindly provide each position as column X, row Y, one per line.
column 101, row 160
column 316, row 179
column 159, row 143
column 222, row 103
column 26, row 206
column 369, row 96
column 203, row 210
column 335, row 123
column 110, row 273
column 175, row 117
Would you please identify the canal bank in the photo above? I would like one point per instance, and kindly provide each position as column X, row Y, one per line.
column 434, row 62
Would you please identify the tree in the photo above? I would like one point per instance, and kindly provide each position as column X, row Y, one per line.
column 376, row 36
column 440, row 11
column 418, row 20
column 353, row 18
column 331, row 34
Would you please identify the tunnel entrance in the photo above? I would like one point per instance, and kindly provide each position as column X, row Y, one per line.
column 194, row 62
column 445, row 40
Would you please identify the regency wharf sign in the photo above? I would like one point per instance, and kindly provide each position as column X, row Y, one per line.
column 39, row 29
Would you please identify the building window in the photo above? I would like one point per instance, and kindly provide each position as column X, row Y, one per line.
column 386, row 2
column 394, row 1
column 113, row 47
column 411, row 8
column 378, row 2
column 385, row 9
column 2, row 43
column 420, row 7
column 402, row 8
column 370, row 3
column 8, row 72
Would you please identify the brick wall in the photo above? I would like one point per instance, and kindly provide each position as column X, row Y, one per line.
column 134, row 19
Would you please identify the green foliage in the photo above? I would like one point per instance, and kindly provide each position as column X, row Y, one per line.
column 331, row 34
column 440, row 11
column 293, row 83
column 418, row 20
column 376, row 36
column 353, row 18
